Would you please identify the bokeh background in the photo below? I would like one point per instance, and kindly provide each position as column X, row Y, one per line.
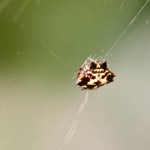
column 42, row 45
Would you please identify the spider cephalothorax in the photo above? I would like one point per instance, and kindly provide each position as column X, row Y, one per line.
column 94, row 74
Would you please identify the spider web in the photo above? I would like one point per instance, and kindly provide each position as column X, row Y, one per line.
column 74, row 124
column 72, row 129
column 126, row 29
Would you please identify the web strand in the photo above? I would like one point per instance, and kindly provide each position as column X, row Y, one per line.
column 126, row 29
column 74, row 124
column 20, row 10
column 121, row 6
column 3, row 4
column 52, row 53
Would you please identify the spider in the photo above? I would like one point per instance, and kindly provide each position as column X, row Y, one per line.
column 93, row 74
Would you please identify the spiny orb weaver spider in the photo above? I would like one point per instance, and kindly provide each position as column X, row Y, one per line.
column 93, row 74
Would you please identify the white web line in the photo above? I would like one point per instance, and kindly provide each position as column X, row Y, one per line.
column 126, row 29
column 122, row 4
column 3, row 4
column 74, row 124
column 55, row 56
column 52, row 53
column 114, row 22
column 20, row 10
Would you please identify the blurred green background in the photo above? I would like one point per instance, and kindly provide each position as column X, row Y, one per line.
column 43, row 44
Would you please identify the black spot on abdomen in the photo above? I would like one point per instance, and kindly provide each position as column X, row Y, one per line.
column 90, row 86
column 93, row 65
column 97, row 83
column 84, row 81
column 93, row 77
column 110, row 78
